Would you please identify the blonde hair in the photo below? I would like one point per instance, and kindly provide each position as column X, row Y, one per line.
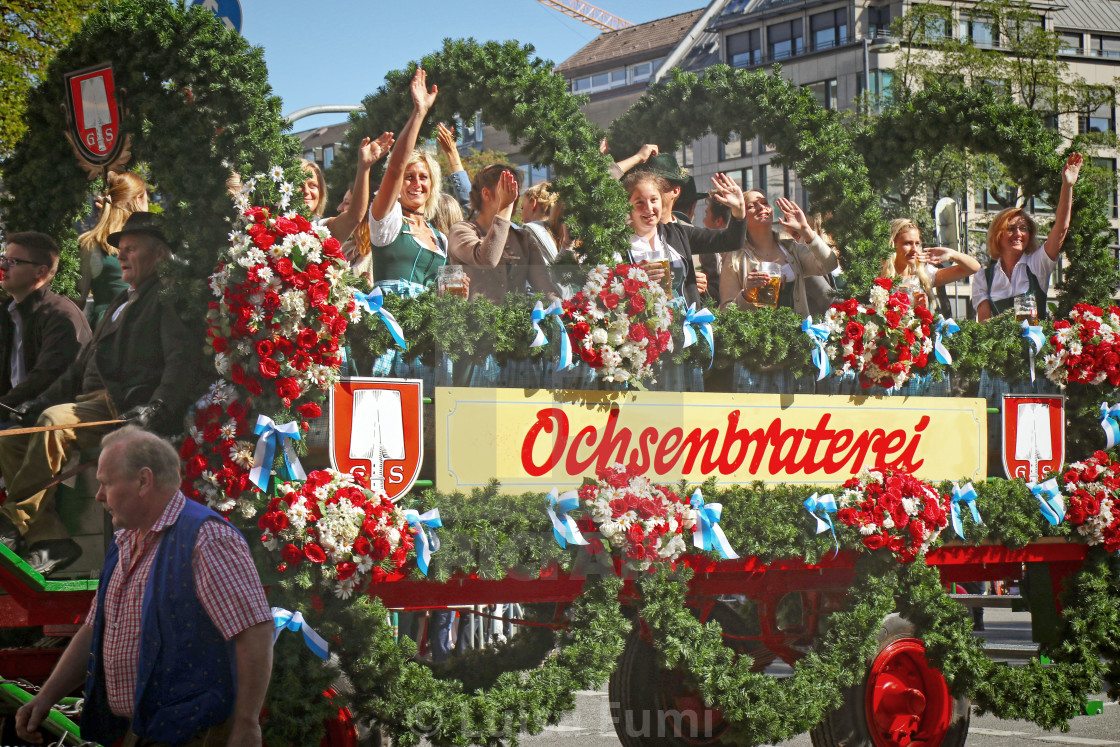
column 898, row 227
column 120, row 200
column 312, row 168
column 447, row 213
column 999, row 225
column 434, row 177
column 542, row 193
column 361, row 238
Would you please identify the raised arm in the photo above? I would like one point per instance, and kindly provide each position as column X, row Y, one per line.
column 963, row 265
column 1058, row 232
column 369, row 152
column 644, row 153
column 391, row 183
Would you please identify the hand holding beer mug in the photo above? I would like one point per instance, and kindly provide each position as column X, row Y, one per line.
column 656, row 266
column 763, row 283
column 452, row 280
column 1026, row 308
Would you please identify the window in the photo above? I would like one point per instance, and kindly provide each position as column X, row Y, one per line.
column 618, row 78
column 685, row 156
column 980, row 31
column 745, row 49
column 1104, row 46
column 763, row 178
column 878, row 21
column 825, row 93
column 1099, row 120
column 1109, row 165
column 785, row 39
column 1071, row 42
column 309, row 155
column 734, row 148
column 602, row 80
column 605, row 81
column 328, row 156
column 880, row 90
column 828, row 30
column 746, row 180
column 643, row 70
column 580, row 85
column 995, row 199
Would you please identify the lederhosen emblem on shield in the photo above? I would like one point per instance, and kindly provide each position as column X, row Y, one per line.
column 376, row 428
column 1034, row 436
column 95, row 115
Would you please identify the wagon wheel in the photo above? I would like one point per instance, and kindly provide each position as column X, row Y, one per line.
column 903, row 700
column 651, row 705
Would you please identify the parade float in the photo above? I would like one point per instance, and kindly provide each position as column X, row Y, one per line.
column 683, row 501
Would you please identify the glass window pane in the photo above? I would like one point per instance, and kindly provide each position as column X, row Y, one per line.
column 599, row 80
column 733, row 148
column 618, row 77
column 582, row 84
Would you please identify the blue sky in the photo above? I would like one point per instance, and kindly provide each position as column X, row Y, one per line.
column 337, row 51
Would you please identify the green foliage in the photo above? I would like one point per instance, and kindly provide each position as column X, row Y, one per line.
column 517, row 93
column 197, row 104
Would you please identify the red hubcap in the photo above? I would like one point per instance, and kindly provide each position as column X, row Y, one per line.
column 907, row 700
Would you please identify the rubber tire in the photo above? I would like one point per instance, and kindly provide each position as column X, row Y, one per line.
column 847, row 726
column 635, row 688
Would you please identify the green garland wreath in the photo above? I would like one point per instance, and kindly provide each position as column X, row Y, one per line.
column 197, row 105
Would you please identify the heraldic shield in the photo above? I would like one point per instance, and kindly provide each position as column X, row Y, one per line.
column 376, row 428
column 1034, row 436
column 95, row 122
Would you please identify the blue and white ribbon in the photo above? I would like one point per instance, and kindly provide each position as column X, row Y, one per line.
column 1110, row 421
column 1050, row 501
column 271, row 436
column 963, row 494
column 426, row 540
column 703, row 319
column 564, row 528
column 555, row 310
column 945, row 329
column 818, row 333
column 284, row 619
column 708, row 534
column 1034, row 336
column 819, row 507
column 373, row 302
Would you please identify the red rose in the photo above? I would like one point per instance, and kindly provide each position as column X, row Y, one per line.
column 637, row 305
column 254, row 387
column 338, row 326
column 345, row 570
column 314, row 553
column 362, row 546
column 632, row 287
column 885, row 284
column 286, row 226
column 874, row 541
column 220, row 344
column 581, row 329
column 635, row 534
column 284, row 267
column 271, row 301
column 306, row 338
column 269, row 368
column 314, row 273
column 318, row 292
column 287, row 388
column 332, row 248
column 854, row 330
column 291, row 554
column 310, row 410
column 265, row 348
column 381, row 548
column 300, row 280
column 263, row 240
column 196, row 466
column 610, row 300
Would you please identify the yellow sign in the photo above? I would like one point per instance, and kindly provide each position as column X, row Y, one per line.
column 544, row 439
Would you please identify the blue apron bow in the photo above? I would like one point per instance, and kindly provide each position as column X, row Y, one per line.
column 703, row 319
column 271, row 436
column 426, row 540
column 963, row 494
column 708, row 534
column 1050, row 501
column 373, row 302
column 818, row 333
column 1110, row 421
column 945, row 329
column 564, row 528
column 819, row 507
column 284, row 619
column 1034, row 337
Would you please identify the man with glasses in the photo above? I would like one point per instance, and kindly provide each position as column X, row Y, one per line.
column 41, row 332
column 136, row 368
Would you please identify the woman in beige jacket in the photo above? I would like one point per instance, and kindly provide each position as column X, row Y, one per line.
column 806, row 255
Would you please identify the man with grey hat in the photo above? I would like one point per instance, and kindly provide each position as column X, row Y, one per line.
column 134, row 369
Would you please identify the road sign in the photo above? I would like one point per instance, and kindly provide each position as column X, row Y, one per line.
column 227, row 11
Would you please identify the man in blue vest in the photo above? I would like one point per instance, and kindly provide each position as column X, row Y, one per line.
column 177, row 646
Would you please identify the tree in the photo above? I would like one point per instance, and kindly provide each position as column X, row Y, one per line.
column 31, row 31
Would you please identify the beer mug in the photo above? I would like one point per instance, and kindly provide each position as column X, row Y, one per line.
column 660, row 258
column 911, row 285
column 767, row 295
column 452, row 279
column 1026, row 308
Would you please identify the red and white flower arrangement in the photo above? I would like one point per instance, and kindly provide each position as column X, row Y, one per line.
column 1091, row 488
column 619, row 322
column 217, row 452
column 645, row 523
column 882, row 340
column 336, row 521
column 894, row 510
column 1086, row 347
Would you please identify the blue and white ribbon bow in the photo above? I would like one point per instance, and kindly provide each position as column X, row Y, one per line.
column 284, row 619
column 271, row 436
column 426, row 540
column 963, row 494
column 819, row 507
column 564, row 528
column 556, row 311
column 818, row 333
column 1050, row 501
column 373, row 302
column 1110, row 421
column 945, row 329
column 703, row 319
column 1034, row 336
column 708, row 534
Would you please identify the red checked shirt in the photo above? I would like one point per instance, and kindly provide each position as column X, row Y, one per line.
column 225, row 581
